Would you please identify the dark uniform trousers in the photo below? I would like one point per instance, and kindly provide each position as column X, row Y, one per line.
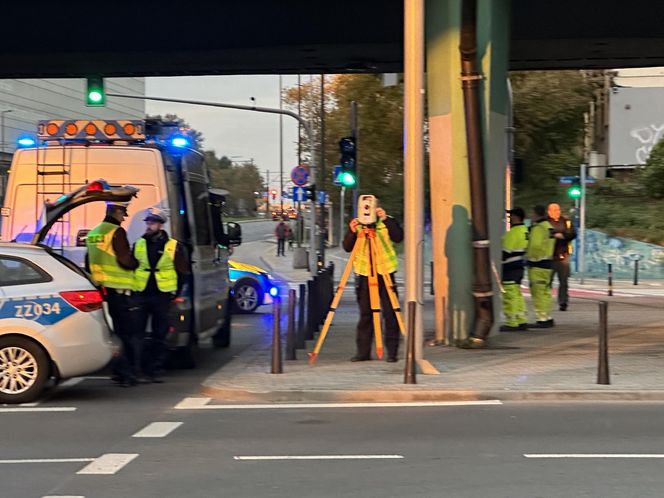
column 365, row 329
column 157, row 306
column 124, row 311
column 561, row 269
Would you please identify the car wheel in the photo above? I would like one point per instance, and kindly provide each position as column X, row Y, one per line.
column 24, row 370
column 246, row 296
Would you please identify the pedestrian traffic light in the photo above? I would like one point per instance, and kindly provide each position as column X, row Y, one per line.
column 274, row 194
column 310, row 192
column 574, row 190
column 348, row 173
column 95, row 95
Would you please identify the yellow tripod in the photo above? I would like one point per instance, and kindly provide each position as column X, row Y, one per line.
column 365, row 236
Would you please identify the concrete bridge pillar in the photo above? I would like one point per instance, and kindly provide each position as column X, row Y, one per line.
column 449, row 182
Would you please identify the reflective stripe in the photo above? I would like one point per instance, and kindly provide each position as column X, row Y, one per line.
column 165, row 274
column 103, row 261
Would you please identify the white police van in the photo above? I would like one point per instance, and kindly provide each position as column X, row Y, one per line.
column 156, row 158
column 51, row 320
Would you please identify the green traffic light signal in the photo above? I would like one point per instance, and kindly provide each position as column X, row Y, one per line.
column 574, row 192
column 95, row 95
column 347, row 179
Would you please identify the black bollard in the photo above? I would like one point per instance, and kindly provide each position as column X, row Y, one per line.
column 603, row 361
column 610, row 279
column 410, row 376
column 276, row 337
column 431, row 272
column 636, row 272
column 290, row 332
column 301, row 324
column 311, row 298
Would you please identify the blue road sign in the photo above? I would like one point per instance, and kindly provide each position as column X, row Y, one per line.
column 567, row 180
column 300, row 175
column 323, row 197
column 298, row 194
column 335, row 175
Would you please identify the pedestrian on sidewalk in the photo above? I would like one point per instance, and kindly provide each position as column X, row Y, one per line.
column 564, row 232
column 162, row 264
column 280, row 234
column 388, row 232
column 515, row 243
column 539, row 255
column 289, row 236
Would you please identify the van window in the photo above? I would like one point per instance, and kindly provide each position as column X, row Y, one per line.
column 201, row 208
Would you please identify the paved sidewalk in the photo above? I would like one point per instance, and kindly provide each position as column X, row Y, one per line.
column 558, row 363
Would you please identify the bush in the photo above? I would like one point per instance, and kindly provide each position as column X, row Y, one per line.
column 653, row 177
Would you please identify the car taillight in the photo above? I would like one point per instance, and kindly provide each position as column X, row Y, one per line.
column 86, row 300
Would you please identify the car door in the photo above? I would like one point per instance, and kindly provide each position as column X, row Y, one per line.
column 210, row 287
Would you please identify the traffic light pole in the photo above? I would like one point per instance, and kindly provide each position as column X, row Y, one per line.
column 315, row 234
column 582, row 225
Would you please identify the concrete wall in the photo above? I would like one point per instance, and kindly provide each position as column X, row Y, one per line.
column 35, row 99
column 636, row 117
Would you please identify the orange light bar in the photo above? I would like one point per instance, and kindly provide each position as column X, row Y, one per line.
column 52, row 129
column 90, row 129
column 71, row 129
column 129, row 128
column 109, row 129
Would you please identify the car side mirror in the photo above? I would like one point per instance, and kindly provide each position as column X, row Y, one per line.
column 234, row 233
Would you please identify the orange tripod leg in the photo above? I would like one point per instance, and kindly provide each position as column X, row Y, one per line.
column 313, row 356
column 395, row 302
column 374, row 298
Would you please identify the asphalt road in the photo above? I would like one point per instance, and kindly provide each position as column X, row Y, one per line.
column 205, row 450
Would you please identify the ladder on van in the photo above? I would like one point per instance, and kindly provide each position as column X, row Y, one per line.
column 52, row 182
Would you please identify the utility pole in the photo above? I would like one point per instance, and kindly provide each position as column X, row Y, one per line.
column 582, row 224
column 299, row 157
column 321, row 187
column 354, row 131
column 281, row 149
column 267, row 193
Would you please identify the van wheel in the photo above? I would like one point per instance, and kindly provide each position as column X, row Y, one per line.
column 222, row 339
column 24, row 370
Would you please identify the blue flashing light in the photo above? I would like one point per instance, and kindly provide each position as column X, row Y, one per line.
column 274, row 292
column 26, row 142
column 181, row 211
column 180, row 142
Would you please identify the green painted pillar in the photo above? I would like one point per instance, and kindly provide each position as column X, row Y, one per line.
column 450, row 190
column 448, row 163
column 493, row 17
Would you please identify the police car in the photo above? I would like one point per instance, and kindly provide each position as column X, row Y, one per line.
column 52, row 324
column 252, row 286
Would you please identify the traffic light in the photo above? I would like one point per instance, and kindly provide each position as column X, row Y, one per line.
column 310, row 192
column 574, row 190
column 348, row 174
column 274, row 194
column 95, row 95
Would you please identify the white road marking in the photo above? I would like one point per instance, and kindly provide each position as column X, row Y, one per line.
column 48, row 460
column 110, row 463
column 593, row 455
column 27, row 404
column 320, row 457
column 202, row 404
column 63, row 496
column 23, row 409
column 158, row 429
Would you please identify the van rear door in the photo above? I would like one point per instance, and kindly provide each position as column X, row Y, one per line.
column 209, row 278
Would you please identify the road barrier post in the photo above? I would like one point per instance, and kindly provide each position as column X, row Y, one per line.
column 276, row 337
column 410, row 376
column 290, row 333
column 636, row 272
column 301, row 324
column 311, row 295
column 610, row 279
column 603, row 361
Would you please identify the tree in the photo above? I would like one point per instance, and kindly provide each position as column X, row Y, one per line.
column 653, row 175
column 195, row 135
column 241, row 181
column 380, row 122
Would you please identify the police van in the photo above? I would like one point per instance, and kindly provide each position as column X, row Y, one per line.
column 155, row 157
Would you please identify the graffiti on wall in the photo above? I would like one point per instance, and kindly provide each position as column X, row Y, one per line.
column 647, row 136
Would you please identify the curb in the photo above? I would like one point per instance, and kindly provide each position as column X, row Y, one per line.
column 403, row 395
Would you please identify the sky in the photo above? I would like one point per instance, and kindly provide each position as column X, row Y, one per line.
column 240, row 135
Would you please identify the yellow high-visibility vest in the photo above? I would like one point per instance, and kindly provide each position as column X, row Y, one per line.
column 165, row 274
column 102, row 259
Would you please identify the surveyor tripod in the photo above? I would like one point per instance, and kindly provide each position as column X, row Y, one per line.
column 366, row 238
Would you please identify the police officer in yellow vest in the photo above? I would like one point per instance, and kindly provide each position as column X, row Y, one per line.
column 541, row 242
column 161, row 261
column 111, row 263
column 388, row 231
column 515, row 242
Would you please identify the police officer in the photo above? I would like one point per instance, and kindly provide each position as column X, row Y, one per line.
column 539, row 254
column 564, row 232
column 388, row 232
column 111, row 263
column 515, row 242
column 161, row 262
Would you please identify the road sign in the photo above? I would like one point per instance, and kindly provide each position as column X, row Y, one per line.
column 300, row 175
column 568, row 180
column 298, row 194
column 335, row 175
column 323, row 198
